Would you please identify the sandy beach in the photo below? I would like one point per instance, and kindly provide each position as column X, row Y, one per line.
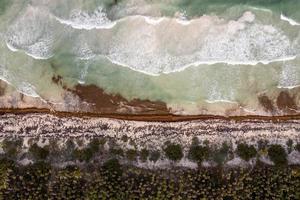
column 152, row 135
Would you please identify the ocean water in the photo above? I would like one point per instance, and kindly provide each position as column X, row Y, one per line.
column 188, row 53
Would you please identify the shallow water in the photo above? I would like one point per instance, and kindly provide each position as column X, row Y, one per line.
column 189, row 54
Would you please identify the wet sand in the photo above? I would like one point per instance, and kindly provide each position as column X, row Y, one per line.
column 93, row 101
column 148, row 117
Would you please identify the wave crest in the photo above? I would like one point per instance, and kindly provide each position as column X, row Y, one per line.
column 33, row 33
column 82, row 20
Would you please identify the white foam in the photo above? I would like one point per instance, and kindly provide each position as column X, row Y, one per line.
column 154, row 21
column 82, row 20
column 229, row 62
column 38, row 55
column 148, row 47
column 221, row 101
column 289, row 77
column 206, row 41
column 24, row 88
column 129, row 67
column 261, row 9
column 35, row 56
column 183, row 22
column 198, row 63
column 10, row 47
column 217, row 95
column 289, row 20
column 288, row 87
column 89, row 24
column 32, row 33
column 81, row 25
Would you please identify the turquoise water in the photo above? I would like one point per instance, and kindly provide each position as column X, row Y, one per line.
column 189, row 54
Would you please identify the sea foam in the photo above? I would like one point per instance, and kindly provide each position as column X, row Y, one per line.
column 32, row 33
column 208, row 41
column 289, row 20
column 83, row 20
column 289, row 77
column 153, row 45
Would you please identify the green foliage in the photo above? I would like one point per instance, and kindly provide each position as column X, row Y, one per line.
column 113, row 166
column 11, row 147
column 246, row 151
column 116, row 151
column 277, row 154
column 154, row 156
column 6, row 167
column 144, row 155
column 173, row 152
column 87, row 153
column 39, row 153
column 199, row 153
column 95, row 145
column 220, row 155
column 28, row 182
column 68, row 183
column 111, row 181
column 83, row 154
column 131, row 154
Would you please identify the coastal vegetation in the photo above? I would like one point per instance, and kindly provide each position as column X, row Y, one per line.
column 111, row 180
column 173, row 152
column 121, row 168
column 99, row 149
column 246, row 151
column 277, row 154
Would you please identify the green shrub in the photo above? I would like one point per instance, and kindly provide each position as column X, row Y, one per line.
column 68, row 184
column 246, row 151
column 11, row 147
column 85, row 154
column 112, row 181
column 277, row 154
column 131, row 154
column 154, row 156
column 198, row 153
column 95, row 145
column 6, row 167
column 173, row 152
column 220, row 155
column 113, row 166
column 144, row 155
column 39, row 153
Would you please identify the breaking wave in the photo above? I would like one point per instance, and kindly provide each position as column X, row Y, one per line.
column 151, row 45
column 83, row 20
column 289, row 20
column 32, row 33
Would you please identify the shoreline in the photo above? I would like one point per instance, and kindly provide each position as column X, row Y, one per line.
column 147, row 117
